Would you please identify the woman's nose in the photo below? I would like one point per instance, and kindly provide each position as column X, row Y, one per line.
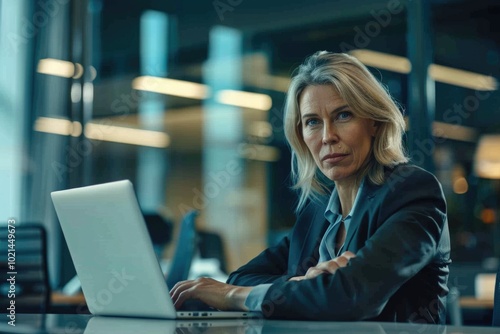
column 329, row 134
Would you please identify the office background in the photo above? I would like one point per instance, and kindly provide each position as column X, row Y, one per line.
column 185, row 99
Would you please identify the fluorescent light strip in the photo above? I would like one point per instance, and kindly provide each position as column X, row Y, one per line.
column 124, row 135
column 174, row 87
column 456, row 132
column 59, row 68
column 462, row 78
column 382, row 60
column 200, row 91
column 438, row 73
column 244, row 99
column 58, row 126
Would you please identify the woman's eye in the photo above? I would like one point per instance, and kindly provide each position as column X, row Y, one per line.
column 311, row 122
column 344, row 115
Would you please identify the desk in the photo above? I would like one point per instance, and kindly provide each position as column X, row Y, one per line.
column 66, row 323
column 473, row 302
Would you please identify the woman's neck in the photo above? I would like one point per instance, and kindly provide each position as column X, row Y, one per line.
column 347, row 191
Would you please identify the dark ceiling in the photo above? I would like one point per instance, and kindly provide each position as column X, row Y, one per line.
column 465, row 35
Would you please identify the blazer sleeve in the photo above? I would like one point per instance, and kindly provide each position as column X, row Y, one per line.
column 268, row 267
column 410, row 218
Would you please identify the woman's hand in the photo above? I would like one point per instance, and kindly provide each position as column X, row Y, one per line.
column 327, row 267
column 216, row 294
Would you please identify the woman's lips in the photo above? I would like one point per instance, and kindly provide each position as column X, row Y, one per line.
column 334, row 158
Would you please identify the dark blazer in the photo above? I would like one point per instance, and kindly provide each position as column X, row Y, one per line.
column 400, row 236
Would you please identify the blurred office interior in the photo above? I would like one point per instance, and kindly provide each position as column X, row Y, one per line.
column 185, row 99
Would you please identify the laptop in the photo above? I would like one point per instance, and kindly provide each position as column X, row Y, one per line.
column 113, row 254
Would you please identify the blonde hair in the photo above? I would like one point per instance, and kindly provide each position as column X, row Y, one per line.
column 365, row 96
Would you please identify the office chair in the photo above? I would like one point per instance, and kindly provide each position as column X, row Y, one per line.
column 160, row 231
column 496, row 301
column 184, row 250
column 211, row 246
column 29, row 269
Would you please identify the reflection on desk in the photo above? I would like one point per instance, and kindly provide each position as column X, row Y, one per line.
column 66, row 323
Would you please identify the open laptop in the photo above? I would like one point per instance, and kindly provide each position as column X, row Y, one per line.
column 113, row 255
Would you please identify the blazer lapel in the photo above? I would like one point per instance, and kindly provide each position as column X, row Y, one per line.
column 309, row 253
column 366, row 199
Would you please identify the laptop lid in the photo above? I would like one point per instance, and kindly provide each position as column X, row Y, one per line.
column 112, row 251
column 113, row 254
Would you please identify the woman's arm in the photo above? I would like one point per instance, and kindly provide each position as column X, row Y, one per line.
column 268, row 267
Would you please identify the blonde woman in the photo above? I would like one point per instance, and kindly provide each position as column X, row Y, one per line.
column 371, row 240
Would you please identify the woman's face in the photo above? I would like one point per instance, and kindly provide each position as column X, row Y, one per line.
column 338, row 140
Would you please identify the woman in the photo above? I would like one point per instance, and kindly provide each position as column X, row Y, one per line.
column 372, row 246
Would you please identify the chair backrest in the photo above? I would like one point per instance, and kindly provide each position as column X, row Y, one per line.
column 184, row 250
column 160, row 231
column 211, row 246
column 23, row 258
column 496, row 301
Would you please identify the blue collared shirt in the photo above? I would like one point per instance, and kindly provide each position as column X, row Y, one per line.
column 334, row 216
column 327, row 246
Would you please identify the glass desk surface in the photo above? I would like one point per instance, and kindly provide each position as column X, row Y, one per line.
column 73, row 324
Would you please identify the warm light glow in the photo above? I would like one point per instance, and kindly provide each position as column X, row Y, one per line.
column 487, row 158
column 383, row 60
column 76, row 129
column 174, row 87
column 261, row 129
column 488, row 216
column 245, row 99
column 60, row 68
column 456, row 132
column 462, row 78
column 438, row 73
column 260, row 152
column 58, row 126
column 278, row 83
column 460, row 186
column 78, row 71
column 124, row 135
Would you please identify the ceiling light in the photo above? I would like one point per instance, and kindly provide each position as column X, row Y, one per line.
column 60, row 68
column 462, row 78
column 174, row 87
column 244, row 99
column 456, row 132
column 58, row 126
column 382, row 60
column 125, row 135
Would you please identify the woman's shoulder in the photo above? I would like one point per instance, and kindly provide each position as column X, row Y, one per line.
column 408, row 176
column 409, row 172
